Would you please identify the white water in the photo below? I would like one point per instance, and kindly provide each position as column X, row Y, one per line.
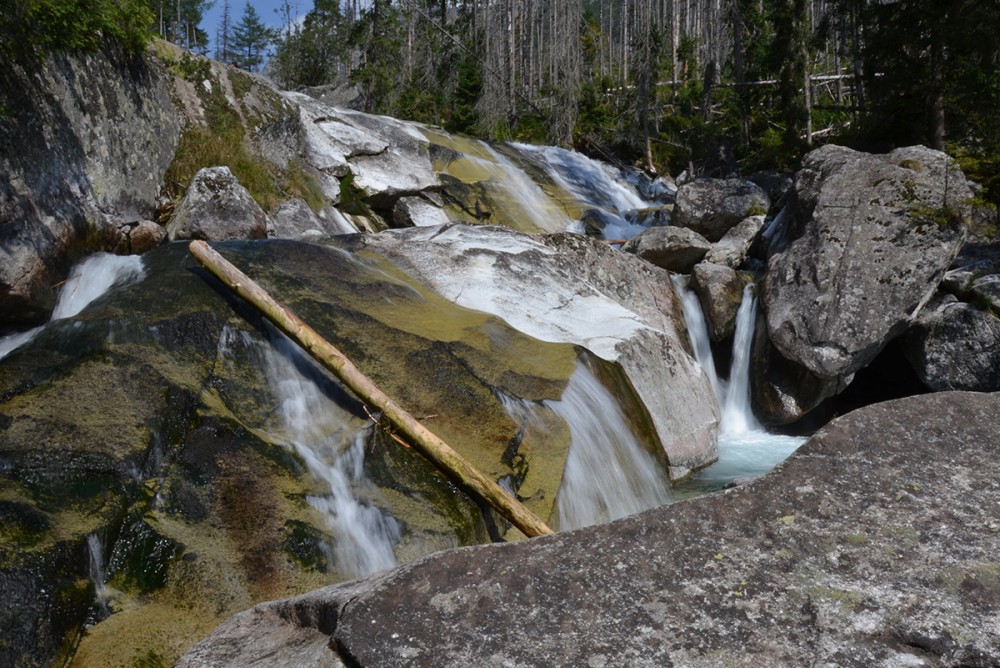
column 745, row 448
column 593, row 184
column 87, row 281
column 697, row 328
column 522, row 191
column 737, row 414
column 608, row 473
column 315, row 428
column 95, row 554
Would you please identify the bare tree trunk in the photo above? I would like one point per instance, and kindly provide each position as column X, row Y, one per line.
column 427, row 443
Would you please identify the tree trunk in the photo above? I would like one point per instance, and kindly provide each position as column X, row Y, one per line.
column 426, row 442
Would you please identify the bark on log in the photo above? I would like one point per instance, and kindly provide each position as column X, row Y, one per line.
column 426, row 442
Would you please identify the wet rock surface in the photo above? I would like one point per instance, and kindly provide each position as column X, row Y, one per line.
column 720, row 291
column 874, row 544
column 570, row 288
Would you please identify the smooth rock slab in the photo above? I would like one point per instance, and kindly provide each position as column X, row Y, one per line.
column 875, row 544
column 571, row 289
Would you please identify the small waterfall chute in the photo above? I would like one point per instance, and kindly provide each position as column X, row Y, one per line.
column 95, row 556
column 737, row 413
column 746, row 449
column 608, row 474
column 332, row 449
column 87, row 281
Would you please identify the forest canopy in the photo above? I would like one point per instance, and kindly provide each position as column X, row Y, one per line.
column 713, row 86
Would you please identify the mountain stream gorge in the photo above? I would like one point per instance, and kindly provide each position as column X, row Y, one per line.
column 169, row 458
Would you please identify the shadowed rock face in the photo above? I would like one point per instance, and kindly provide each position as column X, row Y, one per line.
column 83, row 145
column 874, row 544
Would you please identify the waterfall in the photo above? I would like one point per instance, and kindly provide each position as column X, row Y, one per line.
column 87, row 281
column 608, row 473
column 523, row 192
column 332, row 448
column 697, row 329
column 737, row 414
column 95, row 553
column 745, row 448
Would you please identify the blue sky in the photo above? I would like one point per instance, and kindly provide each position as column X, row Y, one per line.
column 267, row 9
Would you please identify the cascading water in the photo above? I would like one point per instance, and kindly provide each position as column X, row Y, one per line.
column 523, row 192
column 87, row 281
column 697, row 328
column 608, row 473
column 593, row 184
column 737, row 414
column 332, row 448
column 95, row 555
column 745, row 448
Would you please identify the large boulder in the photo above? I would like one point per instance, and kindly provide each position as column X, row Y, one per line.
column 867, row 244
column 874, row 544
column 711, row 207
column 84, row 143
column 675, row 249
column 954, row 345
column 217, row 208
column 569, row 288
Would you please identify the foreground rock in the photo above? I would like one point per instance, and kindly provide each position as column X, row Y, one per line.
column 870, row 238
column 874, row 544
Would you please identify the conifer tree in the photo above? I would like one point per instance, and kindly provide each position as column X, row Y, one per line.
column 251, row 38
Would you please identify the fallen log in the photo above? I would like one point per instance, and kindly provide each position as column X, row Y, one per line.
column 423, row 440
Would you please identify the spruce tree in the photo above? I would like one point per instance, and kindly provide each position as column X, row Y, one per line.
column 251, row 38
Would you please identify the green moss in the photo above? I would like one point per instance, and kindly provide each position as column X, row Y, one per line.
column 846, row 599
column 943, row 217
column 911, row 164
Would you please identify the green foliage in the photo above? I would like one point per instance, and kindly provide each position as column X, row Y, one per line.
column 251, row 39
column 299, row 183
column 310, row 55
column 74, row 25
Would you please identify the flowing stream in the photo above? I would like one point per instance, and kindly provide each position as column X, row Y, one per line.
column 95, row 554
column 87, row 281
column 332, row 447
